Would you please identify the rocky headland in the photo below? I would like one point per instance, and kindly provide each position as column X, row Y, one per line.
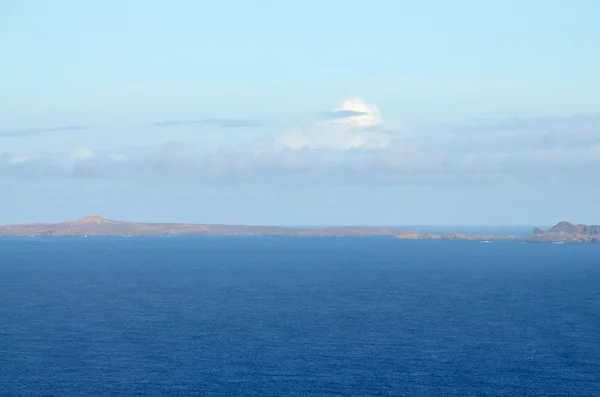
column 565, row 232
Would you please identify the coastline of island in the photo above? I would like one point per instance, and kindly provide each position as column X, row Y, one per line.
column 95, row 225
column 409, row 235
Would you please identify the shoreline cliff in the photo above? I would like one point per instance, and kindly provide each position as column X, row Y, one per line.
column 566, row 232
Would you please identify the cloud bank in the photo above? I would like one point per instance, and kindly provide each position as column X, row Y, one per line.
column 37, row 131
column 354, row 144
column 216, row 122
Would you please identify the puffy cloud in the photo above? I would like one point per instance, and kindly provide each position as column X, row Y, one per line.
column 351, row 125
column 358, row 114
column 18, row 159
column 117, row 157
column 333, row 138
column 82, row 153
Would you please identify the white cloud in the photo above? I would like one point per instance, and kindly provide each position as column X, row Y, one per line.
column 351, row 125
column 18, row 159
column 360, row 114
column 82, row 153
column 117, row 157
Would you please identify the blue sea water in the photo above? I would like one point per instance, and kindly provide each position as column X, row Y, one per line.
column 266, row 316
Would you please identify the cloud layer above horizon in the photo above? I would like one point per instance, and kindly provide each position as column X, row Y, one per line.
column 350, row 144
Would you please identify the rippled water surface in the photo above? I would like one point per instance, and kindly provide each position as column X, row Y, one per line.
column 297, row 317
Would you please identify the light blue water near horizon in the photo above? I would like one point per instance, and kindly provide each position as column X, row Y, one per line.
column 272, row 316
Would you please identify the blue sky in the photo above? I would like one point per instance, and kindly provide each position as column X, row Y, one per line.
column 337, row 112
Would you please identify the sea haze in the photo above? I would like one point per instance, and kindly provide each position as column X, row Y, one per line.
column 285, row 316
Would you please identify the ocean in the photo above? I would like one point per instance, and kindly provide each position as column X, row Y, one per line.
column 267, row 316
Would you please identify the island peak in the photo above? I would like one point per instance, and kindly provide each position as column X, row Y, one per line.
column 565, row 228
column 566, row 232
column 92, row 219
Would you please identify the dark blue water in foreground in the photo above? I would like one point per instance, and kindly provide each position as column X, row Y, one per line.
column 297, row 317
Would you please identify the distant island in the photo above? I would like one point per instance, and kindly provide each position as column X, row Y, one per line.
column 563, row 232
column 98, row 226
column 407, row 235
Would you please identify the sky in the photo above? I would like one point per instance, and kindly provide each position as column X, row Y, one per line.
column 386, row 112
